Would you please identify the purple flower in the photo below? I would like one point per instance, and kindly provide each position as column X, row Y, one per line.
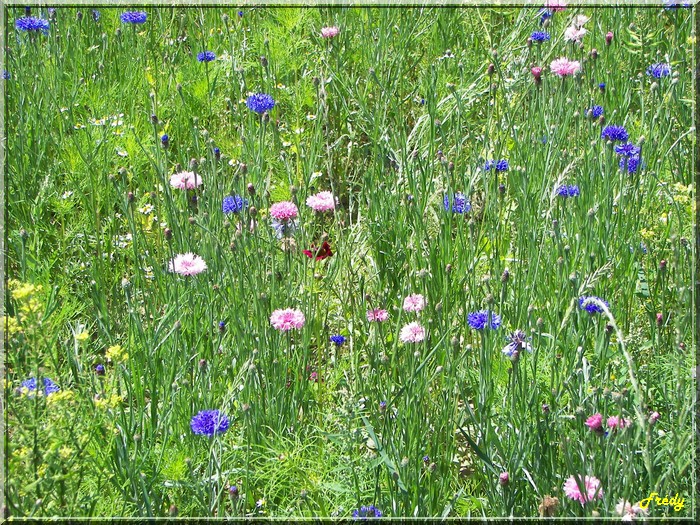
column 32, row 24
column 614, row 133
column 133, row 17
column 260, row 102
column 206, row 56
column 209, row 422
column 484, row 319
column 592, row 304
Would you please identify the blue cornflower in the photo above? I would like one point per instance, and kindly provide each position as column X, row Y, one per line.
column 49, row 386
column 95, row 15
column 643, row 247
column 206, row 56
column 338, row 340
column 669, row 5
column 539, row 36
column 234, row 204
column 460, row 203
column 240, row 14
column 382, row 406
column 217, row 153
column 631, row 163
column 133, row 17
column 32, row 23
column 209, row 422
column 100, row 370
column 518, row 342
column 260, row 102
column 627, row 149
column 544, row 15
column 602, row 86
column 592, row 304
column 596, row 111
column 480, row 320
column 367, row 512
column 6, row 74
column 284, row 228
column 426, row 458
column 614, row 133
column 568, row 191
column 659, row 70
column 165, row 140
column 499, row 165
column 222, row 326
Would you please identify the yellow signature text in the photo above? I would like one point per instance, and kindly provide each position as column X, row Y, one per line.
column 674, row 501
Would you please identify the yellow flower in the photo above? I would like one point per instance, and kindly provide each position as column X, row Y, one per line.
column 65, row 452
column 59, row 397
column 12, row 326
column 647, row 234
column 116, row 354
column 82, row 336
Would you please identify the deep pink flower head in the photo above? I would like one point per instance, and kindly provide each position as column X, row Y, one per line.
column 185, row 180
column 595, row 422
column 536, row 72
column 556, row 5
column 284, row 211
column 591, row 485
column 618, row 422
column 504, row 478
column 564, row 67
column 377, row 315
column 322, row 201
column 654, row 417
column 609, row 37
column 414, row 303
column 287, row 319
column 412, row 333
column 330, row 32
column 187, row 264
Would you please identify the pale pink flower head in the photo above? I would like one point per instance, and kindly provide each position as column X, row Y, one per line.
column 284, row 211
column 616, row 422
column 591, row 486
column 187, row 264
column 322, row 201
column 556, row 5
column 504, row 478
column 564, row 67
column 654, row 417
column 330, row 32
column 580, row 20
column 628, row 511
column 595, row 422
column 574, row 34
column 412, row 333
column 287, row 319
column 414, row 303
column 377, row 315
column 185, row 180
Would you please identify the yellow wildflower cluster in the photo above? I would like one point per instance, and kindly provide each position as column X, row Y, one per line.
column 25, row 296
column 12, row 327
column 108, row 402
column 116, row 354
column 60, row 397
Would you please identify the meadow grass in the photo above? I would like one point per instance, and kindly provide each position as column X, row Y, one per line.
column 402, row 109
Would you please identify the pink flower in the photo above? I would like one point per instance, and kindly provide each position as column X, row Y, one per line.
column 412, row 333
column 377, row 315
column 504, row 478
column 185, row 180
column 187, row 264
column 609, row 37
column 329, row 32
column 556, row 5
column 574, row 34
column 288, row 319
column 654, row 417
column 595, row 422
column 414, row 303
column 625, row 509
column 618, row 422
column 591, row 485
column 564, row 67
column 284, row 211
column 322, row 201
column 536, row 72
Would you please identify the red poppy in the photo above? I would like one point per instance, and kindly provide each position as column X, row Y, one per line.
column 320, row 253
